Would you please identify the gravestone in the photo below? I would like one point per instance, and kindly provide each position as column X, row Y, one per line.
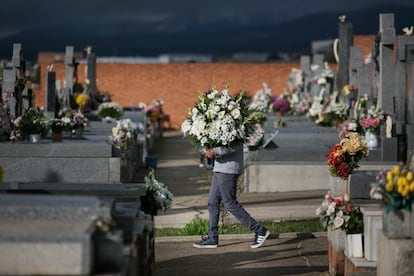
column 404, row 114
column 388, row 145
column 70, row 69
column 51, row 100
column 346, row 40
column 91, row 74
column 8, row 86
column 36, row 229
column 305, row 63
column 355, row 64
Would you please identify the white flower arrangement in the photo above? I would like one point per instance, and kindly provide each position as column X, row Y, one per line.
column 261, row 101
column 216, row 120
column 124, row 134
column 110, row 109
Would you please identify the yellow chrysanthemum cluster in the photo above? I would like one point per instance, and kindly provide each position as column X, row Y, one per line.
column 400, row 180
column 82, row 100
column 354, row 143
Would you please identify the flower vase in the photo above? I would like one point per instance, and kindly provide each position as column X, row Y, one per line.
column 34, row 138
column 57, row 136
column 396, row 223
column 371, row 140
column 337, row 186
column 77, row 133
column 353, row 246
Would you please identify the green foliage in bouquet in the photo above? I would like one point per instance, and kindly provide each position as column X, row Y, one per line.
column 157, row 196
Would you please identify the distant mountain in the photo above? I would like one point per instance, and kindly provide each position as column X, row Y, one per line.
column 188, row 35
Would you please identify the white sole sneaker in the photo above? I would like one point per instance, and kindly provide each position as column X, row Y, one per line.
column 260, row 240
column 205, row 246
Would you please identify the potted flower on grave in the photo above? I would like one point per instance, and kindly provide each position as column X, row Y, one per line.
column 109, row 111
column 280, row 106
column 343, row 159
column 370, row 121
column 157, row 196
column 395, row 189
column 5, row 123
column 74, row 121
column 344, row 222
column 32, row 124
column 56, row 126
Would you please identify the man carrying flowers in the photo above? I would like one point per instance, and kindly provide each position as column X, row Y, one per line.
column 218, row 124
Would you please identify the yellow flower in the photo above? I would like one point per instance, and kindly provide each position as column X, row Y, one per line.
column 353, row 143
column 409, row 176
column 82, row 100
column 396, row 170
column 389, row 176
column 389, row 187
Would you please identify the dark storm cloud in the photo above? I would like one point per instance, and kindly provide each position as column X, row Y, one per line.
column 23, row 15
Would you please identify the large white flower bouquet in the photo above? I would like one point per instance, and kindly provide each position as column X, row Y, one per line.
column 220, row 119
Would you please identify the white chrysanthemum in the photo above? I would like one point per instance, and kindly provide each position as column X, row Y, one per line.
column 235, row 113
column 338, row 222
column 331, row 209
column 186, row 126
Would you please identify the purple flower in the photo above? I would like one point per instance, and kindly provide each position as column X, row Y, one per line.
column 281, row 104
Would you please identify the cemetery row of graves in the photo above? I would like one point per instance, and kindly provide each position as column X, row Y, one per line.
column 342, row 127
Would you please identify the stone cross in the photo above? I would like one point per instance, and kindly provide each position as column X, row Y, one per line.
column 346, row 40
column 50, row 99
column 14, row 83
column 385, row 73
column 91, row 73
column 305, row 67
column 70, row 69
column 404, row 113
column 355, row 64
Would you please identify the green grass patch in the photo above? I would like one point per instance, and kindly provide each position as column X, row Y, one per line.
column 200, row 227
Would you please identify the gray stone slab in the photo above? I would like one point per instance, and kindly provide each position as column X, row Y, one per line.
column 72, row 169
column 47, row 149
column 119, row 191
column 360, row 183
column 21, row 207
column 46, row 247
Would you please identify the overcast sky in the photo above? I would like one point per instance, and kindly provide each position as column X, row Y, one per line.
column 19, row 15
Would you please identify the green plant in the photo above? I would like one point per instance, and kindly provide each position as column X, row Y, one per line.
column 33, row 121
column 199, row 226
column 157, row 196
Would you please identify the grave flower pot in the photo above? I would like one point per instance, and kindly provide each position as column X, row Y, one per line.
column 108, row 253
column 34, row 138
column 396, row 223
column 57, row 136
column 338, row 186
column 354, row 246
column 371, row 140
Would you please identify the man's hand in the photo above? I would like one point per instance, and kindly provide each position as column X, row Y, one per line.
column 209, row 153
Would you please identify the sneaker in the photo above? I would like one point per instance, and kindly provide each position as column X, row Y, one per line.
column 260, row 238
column 206, row 242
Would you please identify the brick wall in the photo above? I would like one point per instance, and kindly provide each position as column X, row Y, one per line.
column 178, row 83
